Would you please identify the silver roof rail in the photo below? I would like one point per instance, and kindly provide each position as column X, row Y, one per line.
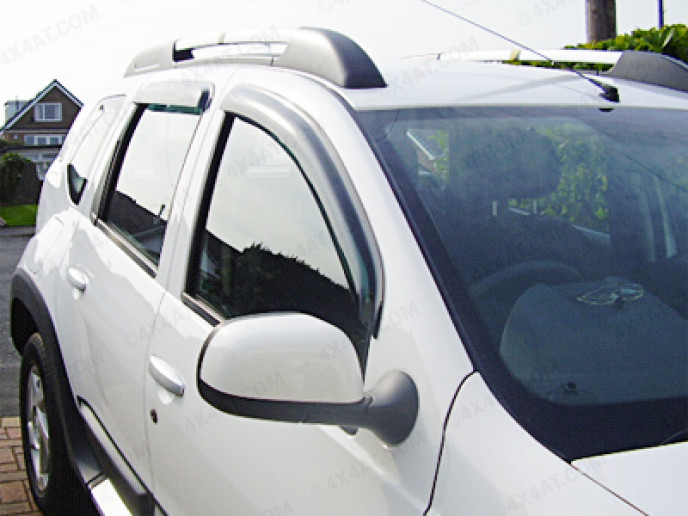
column 321, row 52
column 566, row 56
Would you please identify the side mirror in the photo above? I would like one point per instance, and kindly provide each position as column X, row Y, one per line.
column 297, row 368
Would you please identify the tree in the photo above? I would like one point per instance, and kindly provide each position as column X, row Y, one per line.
column 601, row 19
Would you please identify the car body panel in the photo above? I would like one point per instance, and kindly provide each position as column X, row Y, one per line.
column 652, row 479
column 306, row 469
column 108, row 332
column 490, row 465
column 456, row 83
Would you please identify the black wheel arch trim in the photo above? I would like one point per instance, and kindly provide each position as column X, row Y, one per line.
column 85, row 454
column 24, row 291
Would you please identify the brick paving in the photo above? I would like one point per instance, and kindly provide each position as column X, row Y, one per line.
column 15, row 494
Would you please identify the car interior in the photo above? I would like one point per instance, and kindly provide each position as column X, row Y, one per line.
column 572, row 248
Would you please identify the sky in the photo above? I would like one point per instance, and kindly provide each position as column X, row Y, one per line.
column 87, row 44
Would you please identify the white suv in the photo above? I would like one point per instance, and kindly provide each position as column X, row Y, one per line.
column 276, row 278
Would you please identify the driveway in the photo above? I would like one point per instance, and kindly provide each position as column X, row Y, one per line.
column 12, row 243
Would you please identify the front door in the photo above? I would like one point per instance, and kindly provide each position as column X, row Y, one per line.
column 263, row 245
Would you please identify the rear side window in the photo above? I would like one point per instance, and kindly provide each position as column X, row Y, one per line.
column 96, row 128
column 146, row 173
column 265, row 245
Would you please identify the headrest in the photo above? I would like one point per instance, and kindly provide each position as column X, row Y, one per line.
column 499, row 161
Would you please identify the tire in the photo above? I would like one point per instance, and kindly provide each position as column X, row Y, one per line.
column 54, row 484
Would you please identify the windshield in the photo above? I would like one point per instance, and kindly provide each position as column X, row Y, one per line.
column 559, row 238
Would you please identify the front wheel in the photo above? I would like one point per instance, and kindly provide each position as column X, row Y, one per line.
column 54, row 484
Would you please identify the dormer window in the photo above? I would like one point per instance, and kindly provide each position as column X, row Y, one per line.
column 49, row 112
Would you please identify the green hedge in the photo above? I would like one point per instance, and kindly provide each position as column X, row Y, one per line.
column 11, row 167
column 671, row 40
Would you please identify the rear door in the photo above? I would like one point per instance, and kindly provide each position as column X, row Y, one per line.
column 112, row 269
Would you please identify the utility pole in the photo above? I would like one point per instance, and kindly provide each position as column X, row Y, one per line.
column 661, row 13
column 601, row 19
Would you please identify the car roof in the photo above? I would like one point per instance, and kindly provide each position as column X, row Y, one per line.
column 416, row 83
column 638, row 79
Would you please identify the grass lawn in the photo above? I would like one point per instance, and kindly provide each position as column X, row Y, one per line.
column 23, row 215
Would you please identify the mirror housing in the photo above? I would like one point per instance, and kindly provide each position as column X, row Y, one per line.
column 297, row 368
column 290, row 356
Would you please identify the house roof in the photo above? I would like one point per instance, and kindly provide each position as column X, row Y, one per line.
column 30, row 104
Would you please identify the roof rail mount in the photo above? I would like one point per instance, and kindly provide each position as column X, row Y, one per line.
column 321, row 52
column 651, row 68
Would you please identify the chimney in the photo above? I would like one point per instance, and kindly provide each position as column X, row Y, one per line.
column 12, row 107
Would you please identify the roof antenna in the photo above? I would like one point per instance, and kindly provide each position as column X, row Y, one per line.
column 610, row 93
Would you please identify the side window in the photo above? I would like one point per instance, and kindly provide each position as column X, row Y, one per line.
column 96, row 128
column 142, row 187
column 264, row 244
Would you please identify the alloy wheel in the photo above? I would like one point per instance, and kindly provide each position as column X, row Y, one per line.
column 37, row 428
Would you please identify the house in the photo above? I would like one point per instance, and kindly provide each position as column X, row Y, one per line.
column 38, row 127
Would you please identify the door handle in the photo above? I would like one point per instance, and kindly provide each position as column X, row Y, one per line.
column 77, row 278
column 166, row 376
